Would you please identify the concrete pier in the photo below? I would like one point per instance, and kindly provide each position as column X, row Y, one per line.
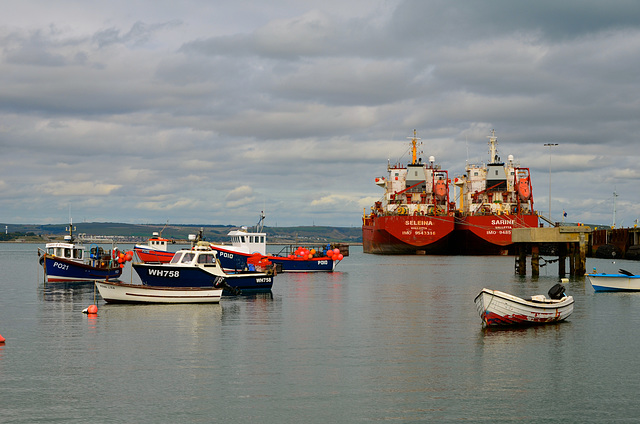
column 571, row 242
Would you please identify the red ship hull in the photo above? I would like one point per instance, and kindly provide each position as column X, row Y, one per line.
column 488, row 234
column 394, row 235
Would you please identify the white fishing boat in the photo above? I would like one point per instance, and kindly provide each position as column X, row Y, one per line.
column 247, row 246
column 118, row 292
column 623, row 281
column 498, row 308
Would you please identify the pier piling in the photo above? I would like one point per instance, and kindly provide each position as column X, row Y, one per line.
column 569, row 241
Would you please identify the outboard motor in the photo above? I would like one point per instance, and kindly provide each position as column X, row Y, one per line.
column 557, row 291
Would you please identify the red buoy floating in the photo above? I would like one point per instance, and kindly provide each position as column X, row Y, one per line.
column 1, row 339
column 92, row 310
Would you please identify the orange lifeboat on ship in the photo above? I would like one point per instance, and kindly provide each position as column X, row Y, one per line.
column 440, row 189
column 524, row 189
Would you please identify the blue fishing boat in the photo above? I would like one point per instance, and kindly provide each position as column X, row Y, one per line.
column 68, row 260
column 623, row 281
column 246, row 246
column 199, row 267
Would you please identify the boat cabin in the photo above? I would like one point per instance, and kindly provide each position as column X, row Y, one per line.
column 66, row 250
column 249, row 242
column 197, row 256
column 158, row 243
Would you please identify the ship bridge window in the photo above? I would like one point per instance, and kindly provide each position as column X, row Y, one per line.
column 77, row 254
column 475, row 174
column 67, row 253
column 242, row 239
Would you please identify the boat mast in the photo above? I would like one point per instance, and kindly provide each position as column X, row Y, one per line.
column 414, row 150
column 493, row 147
column 260, row 224
column 70, row 229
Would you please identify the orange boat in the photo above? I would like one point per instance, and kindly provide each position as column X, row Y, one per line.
column 156, row 249
column 414, row 214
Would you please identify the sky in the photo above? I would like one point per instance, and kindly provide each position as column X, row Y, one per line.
column 208, row 112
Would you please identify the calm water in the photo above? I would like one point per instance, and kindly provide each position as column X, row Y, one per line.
column 382, row 339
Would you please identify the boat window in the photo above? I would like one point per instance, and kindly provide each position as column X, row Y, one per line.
column 206, row 258
column 242, row 239
column 67, row 253
column 77, row 254
column 188, row 257
column 176, row 258
column 261, row 239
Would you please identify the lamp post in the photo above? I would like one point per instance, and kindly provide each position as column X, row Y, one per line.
column 550, row 145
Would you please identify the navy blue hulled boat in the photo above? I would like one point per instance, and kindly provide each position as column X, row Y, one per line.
column 246, row 245
column 199, row 267
column 68, row 261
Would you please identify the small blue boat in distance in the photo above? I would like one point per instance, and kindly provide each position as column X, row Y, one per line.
column 623, row 281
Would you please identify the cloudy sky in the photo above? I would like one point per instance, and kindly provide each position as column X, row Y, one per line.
column 207, row 112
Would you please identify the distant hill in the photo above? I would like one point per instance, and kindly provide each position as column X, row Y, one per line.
column 212, row 233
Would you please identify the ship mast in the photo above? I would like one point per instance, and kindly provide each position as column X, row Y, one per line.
column 414, row 150
column 493, row 147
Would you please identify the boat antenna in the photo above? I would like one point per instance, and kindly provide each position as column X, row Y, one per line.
column 615, row 194
column 466, row 142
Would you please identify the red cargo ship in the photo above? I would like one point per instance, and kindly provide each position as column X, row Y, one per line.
column 495, row 198
column 414, row 215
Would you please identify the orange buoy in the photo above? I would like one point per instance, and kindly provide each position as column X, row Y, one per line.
column 1, row 339
column 93, row 309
